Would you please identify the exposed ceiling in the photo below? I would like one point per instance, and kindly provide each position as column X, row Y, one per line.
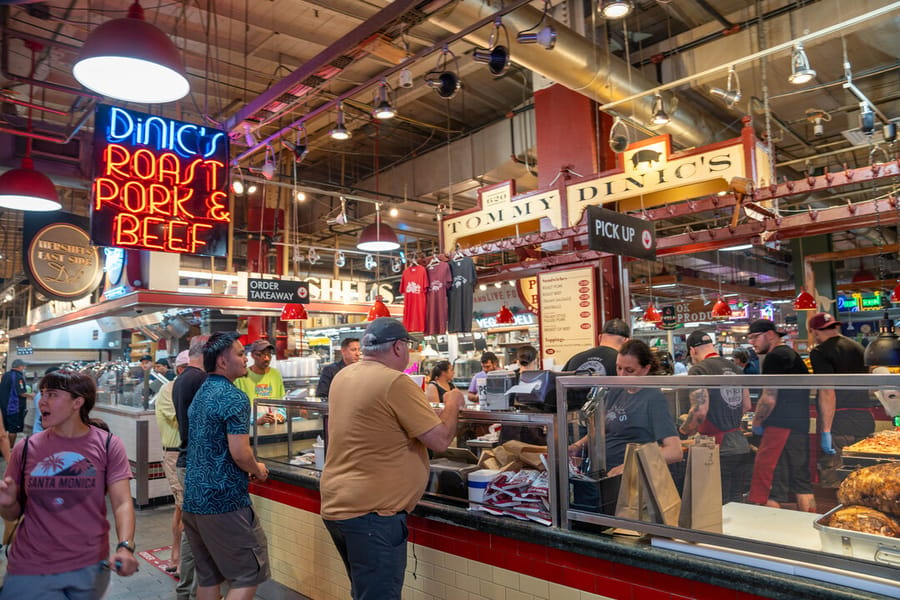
column 268, row 66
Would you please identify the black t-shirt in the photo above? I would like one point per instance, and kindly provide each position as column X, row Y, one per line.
column 183, row 391
column 840, row 354
column 327, row 375
column 725, row 403
column 461, row 295
column 792, row 405
column 594, row 361
column 641, row 417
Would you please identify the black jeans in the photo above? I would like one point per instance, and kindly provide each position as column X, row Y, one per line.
column 374, row 552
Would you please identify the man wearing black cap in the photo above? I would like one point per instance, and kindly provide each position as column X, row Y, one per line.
column 782, row 419
column 14, row 399
column 376, row 462
column 844, row 416
column 601, row 360
column 717, row 412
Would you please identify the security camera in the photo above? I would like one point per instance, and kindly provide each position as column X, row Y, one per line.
column 618, row 143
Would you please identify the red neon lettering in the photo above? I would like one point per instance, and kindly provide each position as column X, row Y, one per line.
column 134, row 198
column 189, row 173
column 213, row 169
column 217, row 210
column 148, row 228
column 116, row 157
column 196, row 242
column 176, row 237
column 105, row 190
column 169, row 169
column 179, row 200
column 160, row 198
column 143, row 164
column 126, row 228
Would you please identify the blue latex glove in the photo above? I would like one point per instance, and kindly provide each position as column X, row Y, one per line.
column 758, row 430
column 826, row 443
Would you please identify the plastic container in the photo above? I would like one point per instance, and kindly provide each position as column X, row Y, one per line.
column 319, row 450
column 478, row 482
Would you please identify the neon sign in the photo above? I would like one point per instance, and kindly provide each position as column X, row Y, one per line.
column 159, row 184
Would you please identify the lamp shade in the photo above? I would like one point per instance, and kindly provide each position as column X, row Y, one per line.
column 27, row 189
column 884, row 351
column 377, row 237
column 293, row 312
column 129, row 59
column 895, row 295
column 379, row 309
column 804, row 301
column 651, row 315
column 721, row 310
column 505, row 316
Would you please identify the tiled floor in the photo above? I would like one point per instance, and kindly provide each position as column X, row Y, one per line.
column 149, row 583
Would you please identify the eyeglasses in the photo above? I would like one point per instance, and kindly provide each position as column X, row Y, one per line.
column 411, row 344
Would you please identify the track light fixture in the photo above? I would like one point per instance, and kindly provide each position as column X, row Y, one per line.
column 545, row 36
column 615, row 9
column 618, row 136
column 444, row 81
column 340, row 260
column 341, row 218
column 866, row 118
column 312, row 256
column 370, row 262
column 300, row 147
column 660, row 117
column 496, row 56
column 396, row 265
column 801, row 72
column 340, row 132
column 268, row 168
column 383, row 108
column 249, row 136
column 731, row 95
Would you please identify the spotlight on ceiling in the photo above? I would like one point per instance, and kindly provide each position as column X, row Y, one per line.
column 131, row 60
column 370, row 262
column 731, row 95
column 340, row 132
column 340, row 260
column 268, row 168
column 618, row 136
column 394, row 212
column 801, row 72
column 300, row 196
column 496, row 55
column 312, row 256
column 249, row 136
column 659, row 112
column 251, row 189
column 866, row 118
column 237, row 183
column 383, row 108
column 615, row 9
column 444, row 81
column 545, row 36
column 300, row 147
column 396, row 265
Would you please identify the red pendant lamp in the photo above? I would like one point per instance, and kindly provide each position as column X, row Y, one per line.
column 379, row 309
column 721, row 310
column 294, row 312
column 505, row 316
column 895, row 295
column 132, row 60
column 804, row 301
column 651, row 315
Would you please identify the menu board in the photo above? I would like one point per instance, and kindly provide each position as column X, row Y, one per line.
column 568, row 314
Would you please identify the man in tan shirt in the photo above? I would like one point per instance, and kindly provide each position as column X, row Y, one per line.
column 376, row 466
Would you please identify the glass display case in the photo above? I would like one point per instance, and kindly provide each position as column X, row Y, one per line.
column 294, row 440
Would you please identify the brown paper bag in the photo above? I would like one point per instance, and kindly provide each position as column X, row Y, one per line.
column 663, row 496
column 631, row 503
column 701, row 504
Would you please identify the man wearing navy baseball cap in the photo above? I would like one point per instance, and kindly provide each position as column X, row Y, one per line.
column 781, row 470
column 844, row 416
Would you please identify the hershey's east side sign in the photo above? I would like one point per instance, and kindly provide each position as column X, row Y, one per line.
column 648, row 174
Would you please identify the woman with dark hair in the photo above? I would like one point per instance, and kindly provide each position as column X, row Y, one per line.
column 527, row 357
column 59, row 479
column 638, row 414
column 440, row 383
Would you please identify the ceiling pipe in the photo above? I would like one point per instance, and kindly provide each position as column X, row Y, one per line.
column 581, row 66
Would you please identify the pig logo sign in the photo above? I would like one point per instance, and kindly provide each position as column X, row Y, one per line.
column 646, row 158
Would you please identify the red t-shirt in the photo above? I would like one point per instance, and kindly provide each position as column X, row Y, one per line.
column 413, row 286
column 65, row 526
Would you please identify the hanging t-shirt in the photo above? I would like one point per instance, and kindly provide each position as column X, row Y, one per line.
column 439, row 280
column 413, row 286
column 462, row 291
column 65, row 506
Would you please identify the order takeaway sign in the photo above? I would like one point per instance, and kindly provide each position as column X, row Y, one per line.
column 159, row 184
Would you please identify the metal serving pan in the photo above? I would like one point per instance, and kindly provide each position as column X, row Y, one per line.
column 868, row 546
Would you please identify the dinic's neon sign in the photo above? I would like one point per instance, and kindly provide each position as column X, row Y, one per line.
column 150, row 194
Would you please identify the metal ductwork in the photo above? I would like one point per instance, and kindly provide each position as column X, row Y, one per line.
column 581, row 66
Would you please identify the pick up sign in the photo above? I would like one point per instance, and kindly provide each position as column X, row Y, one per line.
column 609, row 231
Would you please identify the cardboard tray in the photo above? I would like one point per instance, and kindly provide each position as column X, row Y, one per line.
column 867, row 546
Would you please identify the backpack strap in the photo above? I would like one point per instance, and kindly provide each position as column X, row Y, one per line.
column 22, row 493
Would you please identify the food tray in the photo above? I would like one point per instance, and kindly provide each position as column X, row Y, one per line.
column 868, row 546
column 866, row 459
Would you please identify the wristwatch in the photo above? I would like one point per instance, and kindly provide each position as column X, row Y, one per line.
column 127, row 544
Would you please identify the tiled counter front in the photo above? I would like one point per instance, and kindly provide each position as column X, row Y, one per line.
column 457, row 555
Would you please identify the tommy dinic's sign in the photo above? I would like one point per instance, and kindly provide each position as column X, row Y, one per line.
column 648, row 174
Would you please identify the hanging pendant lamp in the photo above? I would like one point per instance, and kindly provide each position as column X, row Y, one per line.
column 129, row 59
column 651, row 315
column 27, row 189
column 804, row 301
column 505, row 316
column 721, row 310
column 379, row 309
column 895, row 295
column 377, row 237
column 294, row 312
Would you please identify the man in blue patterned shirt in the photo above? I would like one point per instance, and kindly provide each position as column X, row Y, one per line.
column 225, row 535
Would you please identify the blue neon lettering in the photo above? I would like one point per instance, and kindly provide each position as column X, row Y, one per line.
column 185, row 139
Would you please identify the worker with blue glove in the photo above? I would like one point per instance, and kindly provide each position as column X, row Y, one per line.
column 844, row 415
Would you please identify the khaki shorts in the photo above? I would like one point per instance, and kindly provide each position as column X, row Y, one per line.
column 228, row 547
column 171, row 472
